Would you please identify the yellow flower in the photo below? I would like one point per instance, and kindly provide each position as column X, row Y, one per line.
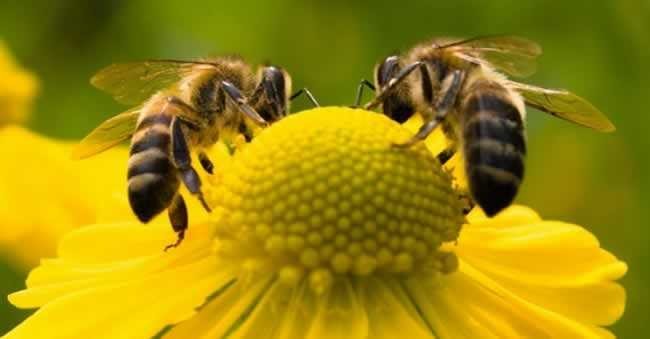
column 321, row 229
column 17, row 89
column 44, row 194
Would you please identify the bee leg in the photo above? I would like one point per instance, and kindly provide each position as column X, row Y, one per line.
column 307, row 92
column 242, row 103
column 396, row 80
column 446, row 154
column 467, row 201
column 450, row 93
column 245, row 131
column 363, row 83
column 177, row 212
column 206, row 163
column 183, row 162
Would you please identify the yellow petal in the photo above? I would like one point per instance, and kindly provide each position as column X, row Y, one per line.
column 299, row 315
column 449, row 318
column 267, row 315
column 140, row 307
column 555, row 265
column 387, row 315
column 489, row 303
column 205, row 318
column 468, row 305
column 129, row 240
column 598, row 303
column 340, row 314
column 335, row 314
column 535, row 251
column 83, row 265
column 223, row 314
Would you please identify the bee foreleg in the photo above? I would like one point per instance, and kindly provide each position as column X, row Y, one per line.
column 206, row 163
column 396, row 80
column 363, row 83
column 307, row 92
column 451, row 87
column 183, row 161
column 177, row 212
column 443, row 106
column 242, row 103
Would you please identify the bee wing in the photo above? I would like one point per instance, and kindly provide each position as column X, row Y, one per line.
column 110, row 133
column 134, row 82
column 510, row 54
column 565, row 105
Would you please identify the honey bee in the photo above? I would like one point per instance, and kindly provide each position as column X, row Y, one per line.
column 187, row 105
column 460, row 84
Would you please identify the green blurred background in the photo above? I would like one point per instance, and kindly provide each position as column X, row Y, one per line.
column 595, row 49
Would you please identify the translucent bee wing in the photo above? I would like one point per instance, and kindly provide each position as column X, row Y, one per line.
column 503, row 43
column 513, row 55
column 110, row 133
column 565, row 105
column 132, row 83
column 520, row 66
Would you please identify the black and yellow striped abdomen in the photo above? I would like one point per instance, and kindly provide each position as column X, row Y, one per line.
column 494, row 145
column 152, row 177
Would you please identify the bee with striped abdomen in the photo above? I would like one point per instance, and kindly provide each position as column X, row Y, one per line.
column 457, row 83
column 187, row 105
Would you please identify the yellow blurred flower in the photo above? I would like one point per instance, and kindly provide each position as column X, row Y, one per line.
column 17, row 89
column 322, row 230
column 44, row 194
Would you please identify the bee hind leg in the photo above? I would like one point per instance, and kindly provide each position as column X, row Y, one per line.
column 177, row 212
column 183, row 162
column 449, row 94
column 206, row 163
column 446, row 154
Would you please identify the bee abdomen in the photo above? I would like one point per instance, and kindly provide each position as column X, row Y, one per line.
column 152, row 179
column 494, row 148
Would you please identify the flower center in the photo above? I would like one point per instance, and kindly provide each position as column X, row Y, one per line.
column 324, row 193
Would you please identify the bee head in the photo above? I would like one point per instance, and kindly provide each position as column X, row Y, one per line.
column 396, row 104
column 271, row 98
column 386, row 70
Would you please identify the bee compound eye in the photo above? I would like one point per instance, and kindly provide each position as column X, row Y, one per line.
column 387, row 69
